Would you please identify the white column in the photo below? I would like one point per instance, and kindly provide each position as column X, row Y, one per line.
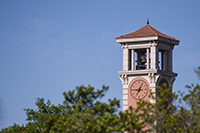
column 147, row 52
column 166, row 69
column 125, row 58
column 133, row 59
column 153, row 56
column 129, row 59
column 157, row 59
column 162, row 61
column 170, row 60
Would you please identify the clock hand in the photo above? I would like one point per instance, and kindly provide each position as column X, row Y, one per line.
column 140, row 87
column 135, row 89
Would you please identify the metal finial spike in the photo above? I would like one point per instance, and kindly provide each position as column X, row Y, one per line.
column 148, row 21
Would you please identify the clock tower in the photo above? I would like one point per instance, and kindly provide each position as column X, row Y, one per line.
column 147, row 63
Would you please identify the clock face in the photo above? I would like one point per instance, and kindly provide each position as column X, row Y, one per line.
column 139, row 88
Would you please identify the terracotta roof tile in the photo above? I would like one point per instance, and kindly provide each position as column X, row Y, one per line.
column 146, row 31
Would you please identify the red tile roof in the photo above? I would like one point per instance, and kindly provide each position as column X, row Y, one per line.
column 146, row 31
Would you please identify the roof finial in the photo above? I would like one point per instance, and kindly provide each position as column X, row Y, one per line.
column 148, row 21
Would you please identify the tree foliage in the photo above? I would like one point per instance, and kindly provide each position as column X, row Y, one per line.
column 83, row 111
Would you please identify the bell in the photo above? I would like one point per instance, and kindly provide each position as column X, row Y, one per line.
column 143, row 59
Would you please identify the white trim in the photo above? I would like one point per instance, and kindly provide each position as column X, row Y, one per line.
column 125, row 107
column 125, row 96
column 125, row 91
column 137, row 39
column 125, row 102
column 138, row 46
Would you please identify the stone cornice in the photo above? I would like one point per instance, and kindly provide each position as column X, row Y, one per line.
column 147, row 72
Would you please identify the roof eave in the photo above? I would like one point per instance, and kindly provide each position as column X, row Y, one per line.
column 174, row 42
column 139, row 39
column 152, row 38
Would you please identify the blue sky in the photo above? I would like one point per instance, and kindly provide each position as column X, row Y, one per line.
column 48, row 47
